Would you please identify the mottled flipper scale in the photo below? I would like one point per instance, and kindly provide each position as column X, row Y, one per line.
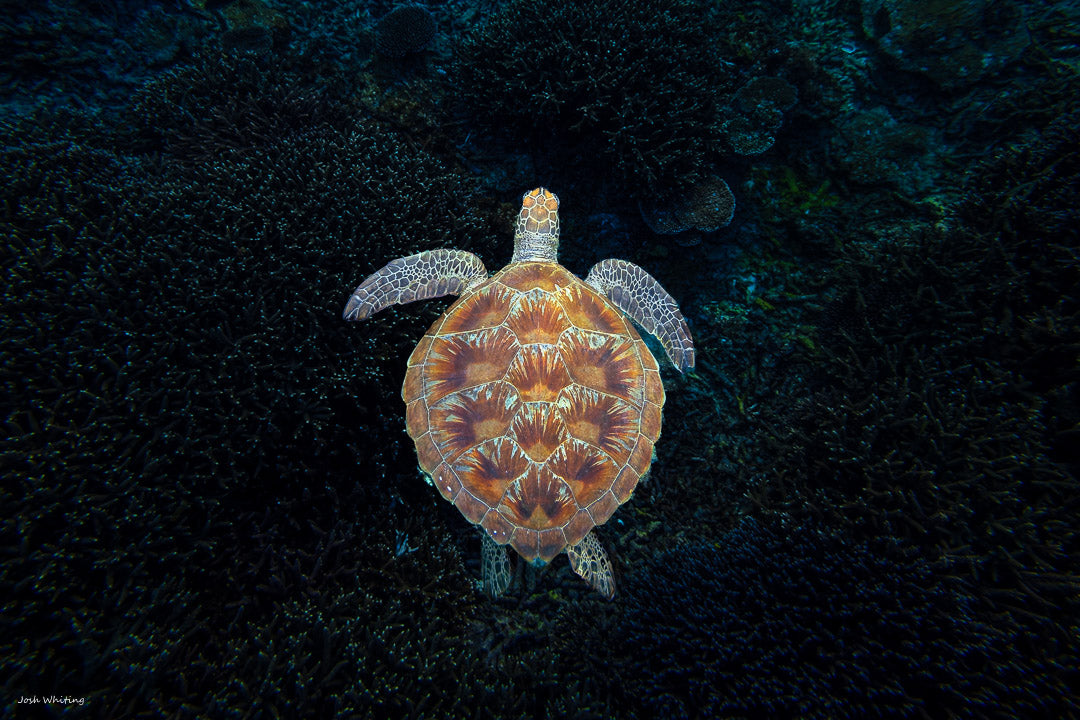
column 639, row 295
column 429, row 274
column 589, row 560
column 494, row 567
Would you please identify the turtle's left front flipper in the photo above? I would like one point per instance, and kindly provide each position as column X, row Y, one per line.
column 429, row 274
column 639, row 295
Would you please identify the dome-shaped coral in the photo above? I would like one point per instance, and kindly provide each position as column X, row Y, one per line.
column 707, row 207
column 758, row 109
column 404, row 30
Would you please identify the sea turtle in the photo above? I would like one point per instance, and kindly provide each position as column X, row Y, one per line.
column 533, row 402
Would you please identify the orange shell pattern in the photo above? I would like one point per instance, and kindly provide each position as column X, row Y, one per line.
column 534, row 405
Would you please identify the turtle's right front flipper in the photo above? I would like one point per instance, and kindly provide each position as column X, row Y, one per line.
column 639, row 295
column 429, row 274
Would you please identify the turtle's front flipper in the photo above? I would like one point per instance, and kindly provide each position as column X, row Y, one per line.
column 589, row 560
column 639, row 295
column 494, row 567
column 429, row 274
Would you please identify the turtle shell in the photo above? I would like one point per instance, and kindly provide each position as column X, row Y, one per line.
column 534, row 405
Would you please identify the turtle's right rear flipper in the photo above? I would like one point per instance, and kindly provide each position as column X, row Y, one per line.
column 589, row 560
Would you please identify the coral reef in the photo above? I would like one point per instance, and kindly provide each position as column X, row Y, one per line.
column 897, row 357
column 633, row 84
column 61, row 52
column 210, row 508
column 1027, row 189
column 403, row 31
column 935, row 385
column 920, row 420
column 874, row 148
column 328, row 37
column 952, row 43
column 177, row 368
column 786, row 621
column 220, row 103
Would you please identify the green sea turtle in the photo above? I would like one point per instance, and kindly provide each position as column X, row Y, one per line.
column 533, row 402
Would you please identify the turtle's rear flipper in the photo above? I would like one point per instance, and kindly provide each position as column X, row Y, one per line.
column 589, row 560
column 429, row 274
column 495, row 567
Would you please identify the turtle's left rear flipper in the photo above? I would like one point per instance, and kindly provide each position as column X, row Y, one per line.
column 495, row 567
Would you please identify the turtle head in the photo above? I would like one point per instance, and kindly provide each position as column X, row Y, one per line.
column 536, row 238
